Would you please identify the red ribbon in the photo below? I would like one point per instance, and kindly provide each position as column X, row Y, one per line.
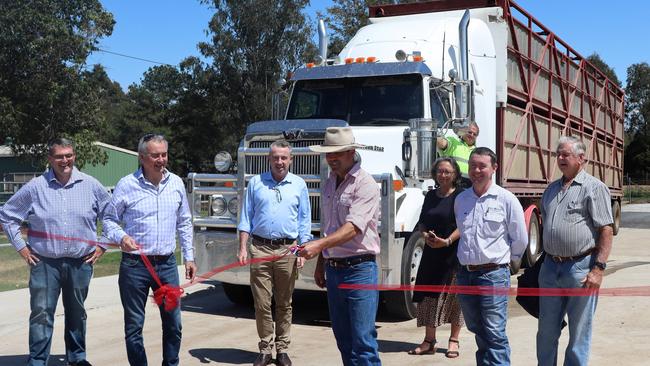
column 168, row 295
column 505, row 291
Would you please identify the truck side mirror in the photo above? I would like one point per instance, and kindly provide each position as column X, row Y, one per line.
column 463, row 112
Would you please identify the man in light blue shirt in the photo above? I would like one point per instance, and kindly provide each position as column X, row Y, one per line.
column 493, row 232
column 152, row 205
column 62, row 203
column 276, row 212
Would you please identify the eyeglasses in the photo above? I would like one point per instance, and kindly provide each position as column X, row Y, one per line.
column 278, row 195
column 444, row 172
column 61, row 157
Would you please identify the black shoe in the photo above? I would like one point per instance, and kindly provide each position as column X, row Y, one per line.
column 80, row 363
column 283, row 359
column 262, row 359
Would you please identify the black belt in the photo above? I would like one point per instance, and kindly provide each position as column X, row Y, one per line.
column 560, row 259
column 281, row 241
column 152, row 258
column 348, row 262
column 483, row 267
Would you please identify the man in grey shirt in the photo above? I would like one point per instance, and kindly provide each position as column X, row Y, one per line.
column 578, row 235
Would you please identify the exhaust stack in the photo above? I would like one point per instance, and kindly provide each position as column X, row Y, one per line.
column 323, row 40
column 462, row 42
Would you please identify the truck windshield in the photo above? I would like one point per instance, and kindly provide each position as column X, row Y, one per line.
column 364, row 101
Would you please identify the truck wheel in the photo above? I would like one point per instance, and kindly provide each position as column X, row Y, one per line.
column 238, row 294
column 616, row 213
column 534, row 242
column 400, row 303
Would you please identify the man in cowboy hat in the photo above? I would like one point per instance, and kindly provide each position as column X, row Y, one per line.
column 348, row 248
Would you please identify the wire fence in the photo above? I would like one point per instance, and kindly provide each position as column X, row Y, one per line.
column 636, row 190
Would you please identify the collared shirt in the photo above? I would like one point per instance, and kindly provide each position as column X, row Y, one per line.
column 151, row 215
column 492, row 227
column 277, row 210
column 572, row 218
column 69, row 210
column 355, row 200
column 460, row 151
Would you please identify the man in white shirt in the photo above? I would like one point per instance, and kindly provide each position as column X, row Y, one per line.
column 492, row 233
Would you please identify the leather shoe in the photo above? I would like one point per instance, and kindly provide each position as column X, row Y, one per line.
column 80, row 363
column 262, row 359
column 283, row 359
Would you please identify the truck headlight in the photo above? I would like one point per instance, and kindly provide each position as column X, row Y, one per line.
column 222, row 161
column 218, row 206
column 233, row 206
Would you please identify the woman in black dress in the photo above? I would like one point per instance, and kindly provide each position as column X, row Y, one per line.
column 438, row 265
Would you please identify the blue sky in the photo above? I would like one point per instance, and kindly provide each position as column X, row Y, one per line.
column 167, row 31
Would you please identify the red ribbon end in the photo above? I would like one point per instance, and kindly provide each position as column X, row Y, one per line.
column 168, row 295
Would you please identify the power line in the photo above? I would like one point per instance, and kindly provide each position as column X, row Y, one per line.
column 134, row 57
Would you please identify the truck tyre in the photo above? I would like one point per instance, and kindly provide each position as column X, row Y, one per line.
column 616, row 214
column 238, row 294
column 400, row 303
column 534, row 242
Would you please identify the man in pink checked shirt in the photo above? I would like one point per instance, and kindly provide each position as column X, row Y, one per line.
column 348, row 248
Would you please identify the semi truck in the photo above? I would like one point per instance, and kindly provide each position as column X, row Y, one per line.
column 415, row 72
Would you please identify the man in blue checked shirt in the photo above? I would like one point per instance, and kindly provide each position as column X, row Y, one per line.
column 63, row 202
column 276, row 213
column 152, row 205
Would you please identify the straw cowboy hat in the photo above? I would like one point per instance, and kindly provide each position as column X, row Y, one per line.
column 337, row 139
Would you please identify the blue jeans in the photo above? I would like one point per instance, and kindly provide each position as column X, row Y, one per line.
column 353, row 313
column 579, row 309
column 135, row 282
column 48, row 278
column 486, row 315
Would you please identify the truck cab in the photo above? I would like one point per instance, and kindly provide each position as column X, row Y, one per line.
column 417, row 71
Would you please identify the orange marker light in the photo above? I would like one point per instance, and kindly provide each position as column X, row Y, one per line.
column 310, row 65
column 418, row 58
column 371, row 59
column 360, row 60
column 229, row 184
column 349, row 60
column 398, row 185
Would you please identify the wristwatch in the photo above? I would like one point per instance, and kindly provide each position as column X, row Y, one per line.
column 600, row 265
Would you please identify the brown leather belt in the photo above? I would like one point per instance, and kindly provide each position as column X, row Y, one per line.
column 484, row 267
column 281, row 241
column 559, row 259
column 348, row 262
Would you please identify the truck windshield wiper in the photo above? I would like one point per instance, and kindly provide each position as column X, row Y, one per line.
column 382, row 122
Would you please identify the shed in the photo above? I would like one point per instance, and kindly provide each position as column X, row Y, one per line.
column 121, row 162
column 20, row 169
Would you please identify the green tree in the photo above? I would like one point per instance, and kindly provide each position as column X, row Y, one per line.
column 253, row 44
column 43, row 92
column 637, row 114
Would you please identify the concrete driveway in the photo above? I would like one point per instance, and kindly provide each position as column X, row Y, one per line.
column 217, row 332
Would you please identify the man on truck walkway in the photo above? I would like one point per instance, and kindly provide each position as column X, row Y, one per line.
column 459, row 149
column 275, row 212
column 492, row 233
column 578, row 237
column 349, row 248
column 61, row 202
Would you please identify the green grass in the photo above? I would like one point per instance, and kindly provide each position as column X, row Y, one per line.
column 14, row 272
column 636, row 194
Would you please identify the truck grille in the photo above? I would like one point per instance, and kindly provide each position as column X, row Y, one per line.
column 301, row 165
